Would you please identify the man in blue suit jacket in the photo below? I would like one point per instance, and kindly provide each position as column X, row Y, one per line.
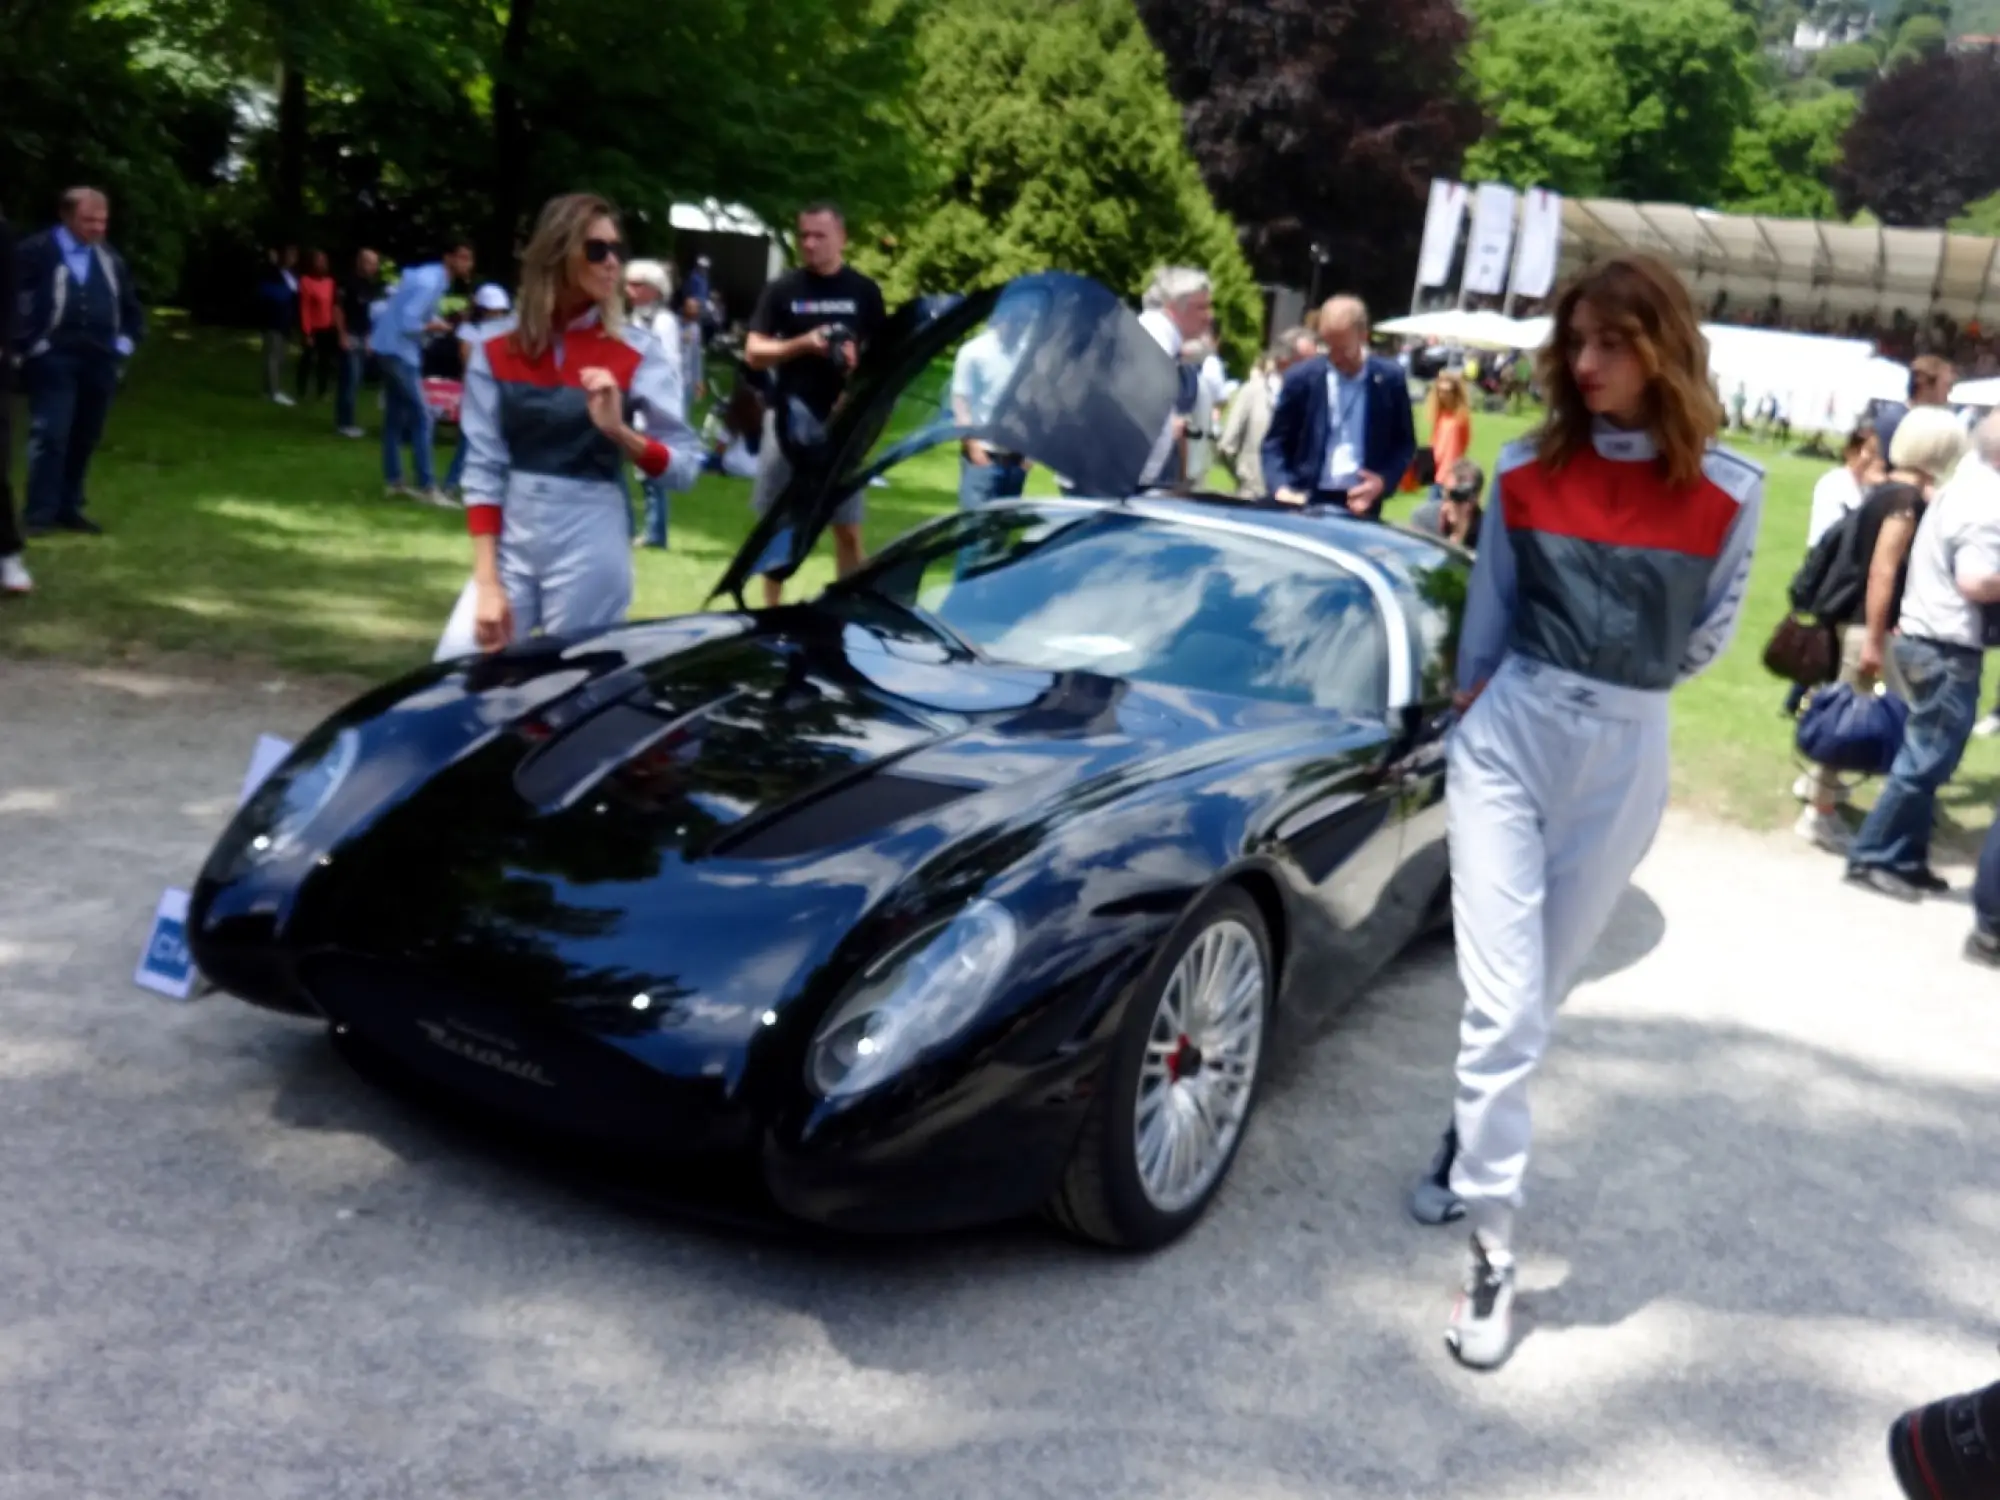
column 1341, row 433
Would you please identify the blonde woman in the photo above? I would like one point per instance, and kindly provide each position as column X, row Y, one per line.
column 1451, row 422
column 547, row 412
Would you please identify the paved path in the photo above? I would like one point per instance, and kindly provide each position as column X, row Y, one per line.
column 1765, row 1218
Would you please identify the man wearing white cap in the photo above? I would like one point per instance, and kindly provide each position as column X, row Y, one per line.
column 489, row 302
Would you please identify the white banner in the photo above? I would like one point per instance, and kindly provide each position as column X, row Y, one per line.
column 1492, row 238
column 1540, row 245
column 1441, row 221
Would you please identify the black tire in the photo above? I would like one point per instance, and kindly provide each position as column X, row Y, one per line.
column 1100, row 1198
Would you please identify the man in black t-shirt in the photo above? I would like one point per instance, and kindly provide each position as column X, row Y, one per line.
column 808, row 331
column 350, row 321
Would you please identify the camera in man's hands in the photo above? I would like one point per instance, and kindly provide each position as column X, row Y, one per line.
column 839, row 341
column 1949, row 1450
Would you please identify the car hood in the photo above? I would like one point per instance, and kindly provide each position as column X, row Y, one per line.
column 726, row 836
column 1089, row 395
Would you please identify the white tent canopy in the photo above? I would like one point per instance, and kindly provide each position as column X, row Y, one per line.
column 1822, row 383
column 1811, row 267
column 1469, row 330
column 1976, row 392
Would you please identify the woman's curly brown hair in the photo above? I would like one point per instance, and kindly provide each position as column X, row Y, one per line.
column 1642, row 297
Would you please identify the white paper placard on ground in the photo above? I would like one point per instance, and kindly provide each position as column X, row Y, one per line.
column 166, row 965
column 266, row 758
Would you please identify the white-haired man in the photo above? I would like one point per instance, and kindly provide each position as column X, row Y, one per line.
column 1178, row 305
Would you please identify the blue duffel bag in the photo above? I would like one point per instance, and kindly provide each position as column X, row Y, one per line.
column 1845, row 729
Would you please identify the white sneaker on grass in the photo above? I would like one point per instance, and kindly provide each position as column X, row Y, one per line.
column 1987, row 727
column 351, row 432
column 283, row 400
column 14, row 578
column 1823, row 831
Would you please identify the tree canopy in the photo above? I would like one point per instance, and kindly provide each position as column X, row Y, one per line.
column 1608, row 98
column 1053, row 143
column 1321, row 122
column 1919, row 149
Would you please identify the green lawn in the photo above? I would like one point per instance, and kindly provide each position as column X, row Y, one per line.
column 242, row 530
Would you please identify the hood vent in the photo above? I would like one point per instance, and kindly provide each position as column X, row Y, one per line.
column 845, row 812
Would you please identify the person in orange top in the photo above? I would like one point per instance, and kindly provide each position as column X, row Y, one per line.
column 1451, row 422
column 319, row 352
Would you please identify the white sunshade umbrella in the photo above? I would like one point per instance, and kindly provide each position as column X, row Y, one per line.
column 1457, row 325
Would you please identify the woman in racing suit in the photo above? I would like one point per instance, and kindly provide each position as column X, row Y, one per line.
column 546, row 415
column 1612, row 567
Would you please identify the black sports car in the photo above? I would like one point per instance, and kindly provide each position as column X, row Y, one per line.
column 974, row 886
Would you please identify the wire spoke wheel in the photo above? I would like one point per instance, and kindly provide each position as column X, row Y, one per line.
column 1200, row 1065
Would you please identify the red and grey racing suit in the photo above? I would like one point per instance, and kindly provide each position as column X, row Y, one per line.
column 541, row 477
column 1598, row 587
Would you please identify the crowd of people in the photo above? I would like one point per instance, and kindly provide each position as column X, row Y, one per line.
column 1903, row 567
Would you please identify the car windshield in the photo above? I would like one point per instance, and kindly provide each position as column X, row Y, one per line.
column 1069, row 587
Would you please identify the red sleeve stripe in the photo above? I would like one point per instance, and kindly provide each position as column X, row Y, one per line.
column 482, row 520
column 653, row 462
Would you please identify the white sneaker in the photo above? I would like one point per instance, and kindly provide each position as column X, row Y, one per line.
column 1481, row 1332
column 350, row 432
column 1987, row 727
column 1823, row 831
column 1802, row 789
column 437, row 497
column 283, row 400
column 14, row 577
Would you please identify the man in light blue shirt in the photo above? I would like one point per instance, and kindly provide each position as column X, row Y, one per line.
column 979, row 376
column 1347, row 426
column 398, row 342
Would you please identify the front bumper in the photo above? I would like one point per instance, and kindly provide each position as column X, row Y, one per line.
column 990, row 1146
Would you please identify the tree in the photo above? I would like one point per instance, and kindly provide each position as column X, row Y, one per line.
column 1322, row 121
column 73, row 110
column 1912, row 154
column 1917, row 38
column 1982, row 216
column 1783, row 163
column 1851, row 65
column 1602, row 96
column 1076, row 164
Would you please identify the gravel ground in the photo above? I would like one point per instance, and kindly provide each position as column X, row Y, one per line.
column 1763, row 1221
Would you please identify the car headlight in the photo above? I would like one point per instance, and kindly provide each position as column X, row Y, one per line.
column 917, row 997
column 281, row 811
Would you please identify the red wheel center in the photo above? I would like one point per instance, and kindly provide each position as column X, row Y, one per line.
column 1184, row 1060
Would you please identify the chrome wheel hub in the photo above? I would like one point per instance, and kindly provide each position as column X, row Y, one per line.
column 1201, row 1059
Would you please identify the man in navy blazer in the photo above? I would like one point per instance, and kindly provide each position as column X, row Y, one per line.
column 1341, row 433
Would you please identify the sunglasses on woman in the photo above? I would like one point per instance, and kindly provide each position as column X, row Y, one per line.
column 597, row 252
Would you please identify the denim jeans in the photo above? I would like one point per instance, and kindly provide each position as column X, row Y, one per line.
column 1944, row 702
column 982, row 484
column 1986, row 884
column 655, row 491
column 405, row 418
column 69, row 396
column 454, row 472
column 347, row 388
